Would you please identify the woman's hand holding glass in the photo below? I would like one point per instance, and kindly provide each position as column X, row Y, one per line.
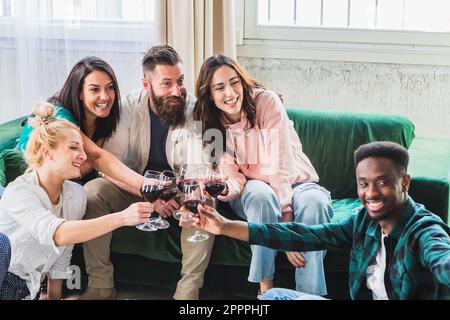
column 136, row 213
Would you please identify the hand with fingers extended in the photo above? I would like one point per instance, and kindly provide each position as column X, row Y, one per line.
column 209, row 219
column 136, row 213
column 297, row 259
column 168, row 207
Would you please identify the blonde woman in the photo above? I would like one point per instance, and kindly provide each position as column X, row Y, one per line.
column 41, row 209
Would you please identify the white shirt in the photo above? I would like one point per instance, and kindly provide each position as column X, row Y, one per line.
column 375, row 273
column 57, row 208
column 28, row 218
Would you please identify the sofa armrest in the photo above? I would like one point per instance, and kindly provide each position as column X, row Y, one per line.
column 9, row 132
column 433, row 193
column 12, row 165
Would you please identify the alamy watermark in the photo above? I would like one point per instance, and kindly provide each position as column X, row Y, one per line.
column 254, row 146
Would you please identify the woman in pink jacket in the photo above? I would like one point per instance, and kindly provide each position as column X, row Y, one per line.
column 270, row 179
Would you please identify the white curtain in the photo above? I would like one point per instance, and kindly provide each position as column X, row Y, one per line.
column 197, row 29
column 42, row 39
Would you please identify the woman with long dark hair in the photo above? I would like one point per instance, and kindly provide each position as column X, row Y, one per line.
column 270, row 179
column 90, row 99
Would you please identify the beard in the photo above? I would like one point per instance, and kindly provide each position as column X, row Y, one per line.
column 171, row 109
column 380, row 217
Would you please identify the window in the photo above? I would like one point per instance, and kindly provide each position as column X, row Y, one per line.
column 108, row 20
column 410, row 15
column 85, row 10
column 398, row 31
column 5, row 8
column 40, row 41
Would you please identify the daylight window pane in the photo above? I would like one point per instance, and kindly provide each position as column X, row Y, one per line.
column 362, row 14
column 308, row 12
column 62, row 9
column 282, row 12
column 335, row 13
column 390, row 14
column 263, row 11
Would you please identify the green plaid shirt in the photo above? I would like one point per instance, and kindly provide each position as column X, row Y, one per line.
column 419, row 265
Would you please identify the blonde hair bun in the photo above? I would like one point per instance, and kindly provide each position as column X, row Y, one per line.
column 44, row 112
column 48, row 132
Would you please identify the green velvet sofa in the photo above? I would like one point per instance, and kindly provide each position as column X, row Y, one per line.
column 329, row 139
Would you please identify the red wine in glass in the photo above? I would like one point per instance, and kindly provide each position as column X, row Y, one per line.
column 151, row 192
column 192, row 205
column 215, row 187
column 193, row 196
column 168, row 193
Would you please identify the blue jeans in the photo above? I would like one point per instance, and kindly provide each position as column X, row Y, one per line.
column 1, row 190
column 5, row 257
column 311, row 204
column 288, row 294
column 11, row 286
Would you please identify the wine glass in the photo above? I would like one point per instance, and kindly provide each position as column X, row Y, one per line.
column 214, row 181
column 168, row 192
column 193, row 196
column 150, row 190
column 185, row 173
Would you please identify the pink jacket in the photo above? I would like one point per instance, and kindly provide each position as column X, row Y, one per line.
column 270, row 151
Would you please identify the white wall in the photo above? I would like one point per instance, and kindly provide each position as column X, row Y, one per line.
column 422, row 93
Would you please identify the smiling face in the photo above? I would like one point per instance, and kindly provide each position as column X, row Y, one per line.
column 167, row 93
column 382, row 188
column 98, row 94
column 68, row 156
column 227, row 92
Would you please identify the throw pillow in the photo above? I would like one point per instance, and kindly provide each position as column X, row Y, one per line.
column 14, row 165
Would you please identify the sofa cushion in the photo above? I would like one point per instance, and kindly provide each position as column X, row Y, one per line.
column 9, row 133
column 329, row 139
column 433, row 193
column 12, row 165
column 164, row 246
column 2, row 173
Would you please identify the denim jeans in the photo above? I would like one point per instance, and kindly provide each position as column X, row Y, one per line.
column 5, row 257
column 12, row 287
column 288, row 294
column 311, row 204
column 1, row 190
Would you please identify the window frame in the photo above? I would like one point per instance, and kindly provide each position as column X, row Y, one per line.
column 338, row 44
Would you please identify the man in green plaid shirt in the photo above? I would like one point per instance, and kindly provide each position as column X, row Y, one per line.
column 398, row 249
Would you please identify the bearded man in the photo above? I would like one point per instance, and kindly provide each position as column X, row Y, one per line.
column 153, row 134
